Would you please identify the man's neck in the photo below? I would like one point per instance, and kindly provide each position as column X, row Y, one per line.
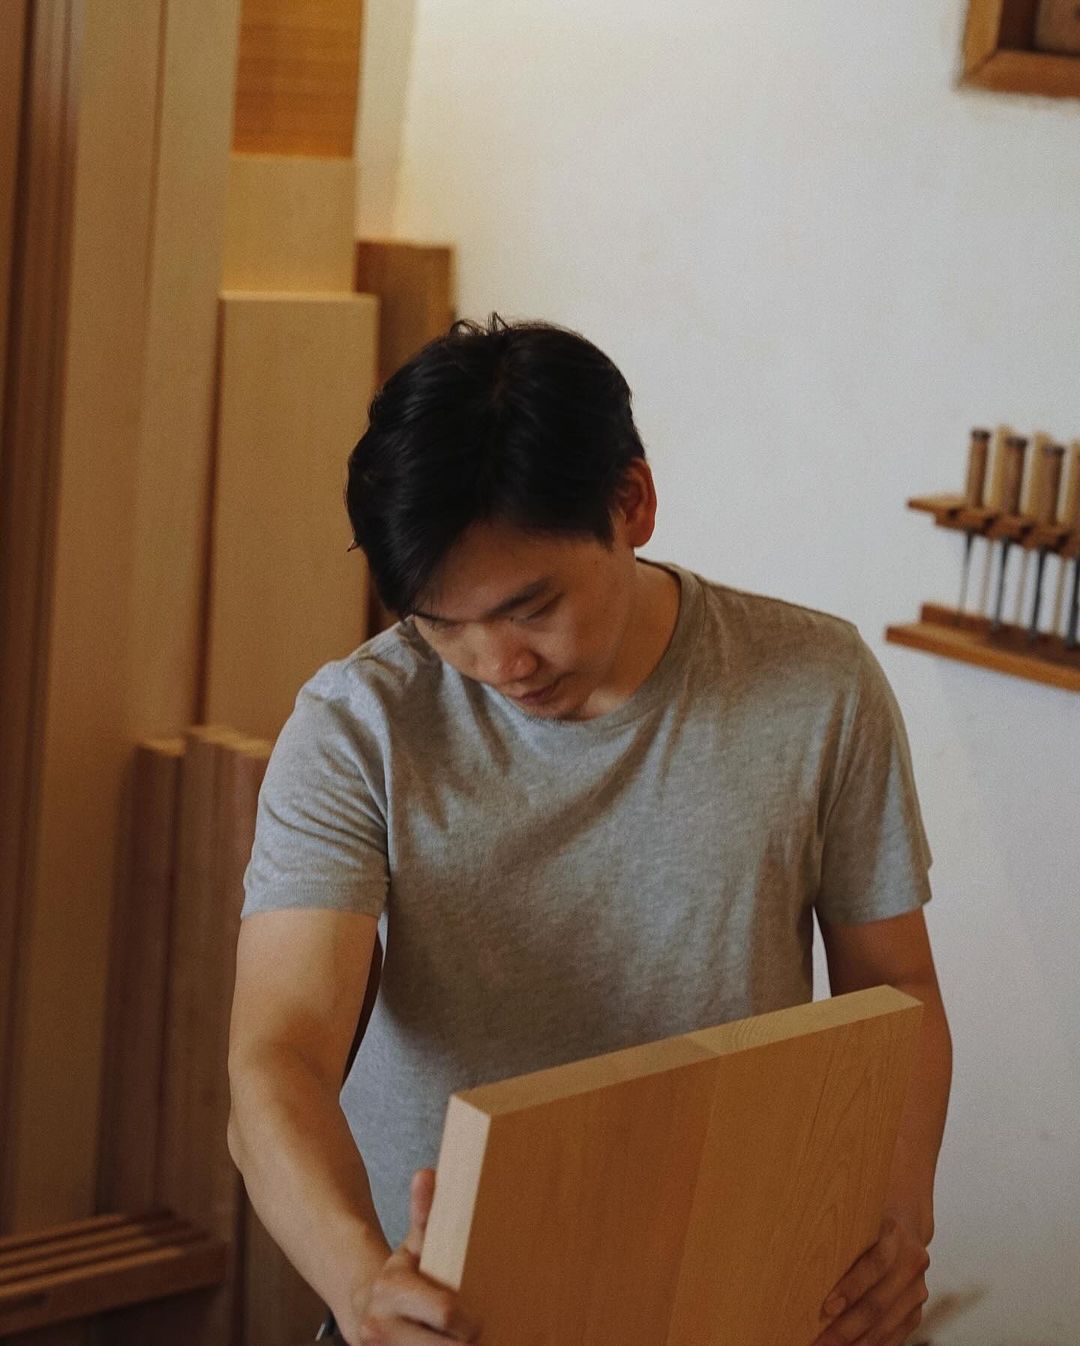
column 653, row 617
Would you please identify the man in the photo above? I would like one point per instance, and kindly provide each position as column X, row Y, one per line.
column 593, row 801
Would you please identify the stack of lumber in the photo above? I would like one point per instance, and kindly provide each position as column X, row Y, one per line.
column 185, row 363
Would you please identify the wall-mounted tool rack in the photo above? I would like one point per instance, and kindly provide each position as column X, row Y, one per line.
column 1038, row 529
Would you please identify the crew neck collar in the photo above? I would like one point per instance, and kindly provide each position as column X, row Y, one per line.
column 658, row 687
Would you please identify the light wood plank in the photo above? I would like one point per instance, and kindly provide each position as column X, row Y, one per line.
column 298, row 77
column 290, row 224
column 585, row 1200
column 297, row 375
column 170, row 525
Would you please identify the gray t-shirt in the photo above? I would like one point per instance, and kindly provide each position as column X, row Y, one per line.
column 550, row 889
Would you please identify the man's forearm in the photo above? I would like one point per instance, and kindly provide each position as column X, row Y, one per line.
column 922, row 1124
column 304, row 1176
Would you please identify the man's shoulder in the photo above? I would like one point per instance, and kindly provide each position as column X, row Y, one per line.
column 379, row 673
column 762, row 627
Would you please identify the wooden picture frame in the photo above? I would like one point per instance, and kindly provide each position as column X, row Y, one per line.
column 1000, row 52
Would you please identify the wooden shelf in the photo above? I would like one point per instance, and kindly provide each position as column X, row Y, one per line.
column 88, row 1267
column 1000, row 52
column 969, row 639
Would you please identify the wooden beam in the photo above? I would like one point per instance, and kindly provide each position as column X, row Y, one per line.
column 297, row 374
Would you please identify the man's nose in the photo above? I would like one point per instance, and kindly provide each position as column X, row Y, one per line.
column 501, row 659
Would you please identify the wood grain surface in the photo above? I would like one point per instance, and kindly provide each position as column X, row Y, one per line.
column 290, row 223
column 414, row 283
column 138, row 978
column 705, row 1189
column 298, row 77
column 297, row 374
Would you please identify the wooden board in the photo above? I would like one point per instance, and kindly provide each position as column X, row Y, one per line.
column 170, row 525
column 290, row 223
column 196, row 1176
column 414, row 283
column 709, row 1188
column 138, row 977
column 969, row 639
column 298, row 77
column 94, row 1265
column 296, row 378
column 77, row 706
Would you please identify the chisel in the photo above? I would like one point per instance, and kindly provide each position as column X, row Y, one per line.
column 993, row 501
column 973, row 498
column 1028, row 507
column 1012, row 479
column 1049, row 486
column 1071, row 518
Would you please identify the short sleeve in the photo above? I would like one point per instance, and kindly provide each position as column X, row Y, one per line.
column 320, row 834
column 875, row 855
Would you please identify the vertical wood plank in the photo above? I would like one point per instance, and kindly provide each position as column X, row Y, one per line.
column 219, row 785
column 74, row 743
column 28, row 458
column 170, row 524
column 297, row 375
column 414, row 283
column 290, row 223
column 138, row 977
column 298, row 77
column 13, row 35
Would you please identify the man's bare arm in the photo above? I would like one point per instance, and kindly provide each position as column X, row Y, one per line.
column 300, row 978
column 880, row 1299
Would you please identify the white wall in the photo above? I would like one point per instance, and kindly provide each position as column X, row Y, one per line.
column 818, row 264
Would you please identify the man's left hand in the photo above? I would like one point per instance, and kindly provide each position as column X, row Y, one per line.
column 879, row 1301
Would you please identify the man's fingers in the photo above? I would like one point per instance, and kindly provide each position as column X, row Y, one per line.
column 421, row 1194
column 903, row 1333
column 404, row 1295
column 376, row 1331
column 871, row 1267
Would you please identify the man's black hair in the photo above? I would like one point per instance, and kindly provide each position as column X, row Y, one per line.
column 524, row 423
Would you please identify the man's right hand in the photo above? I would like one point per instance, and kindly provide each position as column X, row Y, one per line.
column 402, row 1306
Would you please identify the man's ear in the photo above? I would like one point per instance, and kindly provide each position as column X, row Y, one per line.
column 635, row 503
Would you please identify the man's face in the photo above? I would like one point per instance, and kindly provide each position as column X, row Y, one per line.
column 541, row 619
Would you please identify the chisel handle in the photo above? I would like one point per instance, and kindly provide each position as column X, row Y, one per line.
column 1053, row 456
column 1070, row 515
column 1015, row 446
column 976, row 472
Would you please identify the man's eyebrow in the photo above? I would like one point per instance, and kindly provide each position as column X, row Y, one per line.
column 525, row 595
